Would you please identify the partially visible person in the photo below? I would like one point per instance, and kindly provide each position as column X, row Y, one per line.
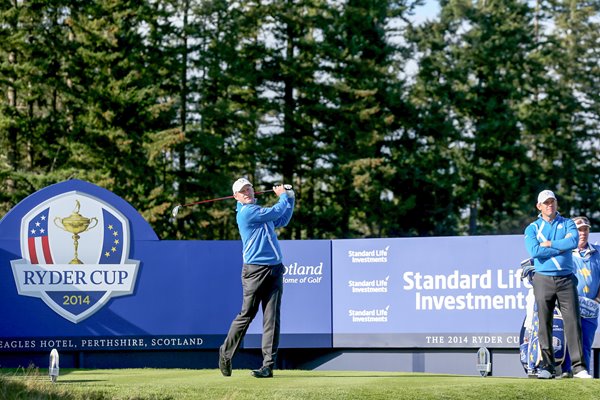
column 549, row 241
column 586, row 260
column 262, row 273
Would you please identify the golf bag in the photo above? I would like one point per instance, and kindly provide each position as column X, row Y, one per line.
column 530, row 353
column 529, row 348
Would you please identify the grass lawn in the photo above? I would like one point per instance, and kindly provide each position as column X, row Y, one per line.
column 287, row 385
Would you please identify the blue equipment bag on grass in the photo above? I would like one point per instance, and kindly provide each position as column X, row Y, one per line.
column 529, row 352
column 529, row 349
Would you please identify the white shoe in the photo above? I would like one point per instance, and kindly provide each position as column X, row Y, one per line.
column 583, row 374
column 544, row 374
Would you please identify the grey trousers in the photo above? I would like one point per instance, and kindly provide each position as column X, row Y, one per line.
column 547, row 291
column 262, row 285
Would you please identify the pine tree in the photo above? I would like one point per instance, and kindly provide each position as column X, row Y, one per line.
column 562, row 122
column 363, row 113
column 477, row 66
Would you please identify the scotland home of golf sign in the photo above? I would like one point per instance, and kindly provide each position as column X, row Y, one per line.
column 74, row 255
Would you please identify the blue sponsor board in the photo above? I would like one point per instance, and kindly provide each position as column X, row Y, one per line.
column 428, row 292
column 81, row 270
column 445, row 292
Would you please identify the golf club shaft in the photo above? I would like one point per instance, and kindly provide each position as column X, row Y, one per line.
column 218, row 199
column 176, row 209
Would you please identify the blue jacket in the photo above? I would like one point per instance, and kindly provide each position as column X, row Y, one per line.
column 587, row 267
column 555, row 260
column 257, row 228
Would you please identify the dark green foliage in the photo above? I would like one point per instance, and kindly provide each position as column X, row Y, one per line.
column 385, row 128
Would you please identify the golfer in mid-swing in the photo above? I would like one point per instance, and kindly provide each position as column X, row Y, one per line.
column 262, row 273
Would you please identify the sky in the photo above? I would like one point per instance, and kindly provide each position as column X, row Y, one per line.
column 429, row 10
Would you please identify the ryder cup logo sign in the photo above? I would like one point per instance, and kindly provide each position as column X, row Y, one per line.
column 74, row 251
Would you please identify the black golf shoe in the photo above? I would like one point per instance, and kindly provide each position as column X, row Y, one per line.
column 263, row 372
column 224, row 364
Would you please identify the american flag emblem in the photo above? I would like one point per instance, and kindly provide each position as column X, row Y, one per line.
column 38, row 244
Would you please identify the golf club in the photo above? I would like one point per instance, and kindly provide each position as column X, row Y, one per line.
column 176, row 209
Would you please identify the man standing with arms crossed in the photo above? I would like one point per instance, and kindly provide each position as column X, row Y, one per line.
column 262, row 273
column 549, row 241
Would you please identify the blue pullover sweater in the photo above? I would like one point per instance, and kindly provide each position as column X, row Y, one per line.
column 257, row 228
column 555, row 260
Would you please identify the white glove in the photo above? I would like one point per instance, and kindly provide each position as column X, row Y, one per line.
column 288, row 190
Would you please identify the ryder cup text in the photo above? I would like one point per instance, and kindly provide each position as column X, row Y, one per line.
column 77, row 277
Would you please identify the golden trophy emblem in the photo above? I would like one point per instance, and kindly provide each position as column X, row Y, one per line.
column 75, row 224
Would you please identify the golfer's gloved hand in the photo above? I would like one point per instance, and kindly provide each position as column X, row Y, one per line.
column 288, row 190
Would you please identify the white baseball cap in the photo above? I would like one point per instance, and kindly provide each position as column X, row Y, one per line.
column 545, row 195
column 239, row 184
column 581, row 222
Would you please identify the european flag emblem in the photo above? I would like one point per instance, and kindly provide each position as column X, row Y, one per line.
column 112, row 246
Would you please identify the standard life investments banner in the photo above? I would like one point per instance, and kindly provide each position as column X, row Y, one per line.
column 428, row 292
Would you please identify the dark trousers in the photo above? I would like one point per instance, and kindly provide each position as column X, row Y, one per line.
column 262, row 285
column 547, row 291
column 588, row 330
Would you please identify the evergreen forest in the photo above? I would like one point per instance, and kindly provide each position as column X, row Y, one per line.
column 385, row 123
